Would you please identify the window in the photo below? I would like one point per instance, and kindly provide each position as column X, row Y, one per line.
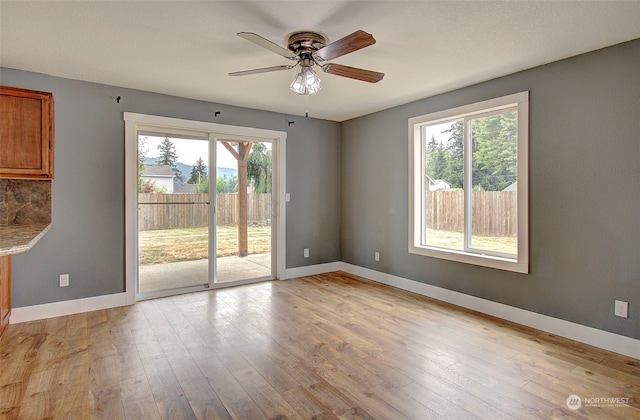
column 468, row 198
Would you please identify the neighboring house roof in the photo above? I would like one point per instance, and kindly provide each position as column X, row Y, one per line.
column 158, row 170
column 512, row 187
column 437, row 184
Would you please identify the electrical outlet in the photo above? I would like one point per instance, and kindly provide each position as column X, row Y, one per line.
column 621, row 309
column 63, row 280
column 306, row 252
column 376, row 256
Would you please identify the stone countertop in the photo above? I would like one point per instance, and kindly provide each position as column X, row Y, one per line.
column 15, row 239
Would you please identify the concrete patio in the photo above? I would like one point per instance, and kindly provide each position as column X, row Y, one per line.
column 192, row 273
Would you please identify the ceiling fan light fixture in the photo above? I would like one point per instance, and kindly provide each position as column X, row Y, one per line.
column 308, row 49
column 307, row 82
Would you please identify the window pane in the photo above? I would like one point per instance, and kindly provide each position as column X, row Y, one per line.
column 467, row 165
column 443, row 223
column 494, row 197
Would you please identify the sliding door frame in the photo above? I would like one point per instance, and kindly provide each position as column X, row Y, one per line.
column 140, row 122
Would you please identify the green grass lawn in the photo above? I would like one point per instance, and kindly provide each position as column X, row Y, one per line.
column 455, row 240
column 173, row 245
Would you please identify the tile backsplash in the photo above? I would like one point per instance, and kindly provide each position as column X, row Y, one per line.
column 24, row 202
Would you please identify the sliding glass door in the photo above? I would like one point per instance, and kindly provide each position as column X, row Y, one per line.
column 173, row 213
column 244, row 210
column 204, row 205
column 204, row 209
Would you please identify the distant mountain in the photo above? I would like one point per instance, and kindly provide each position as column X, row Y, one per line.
column 186, row 169
column 227, row 172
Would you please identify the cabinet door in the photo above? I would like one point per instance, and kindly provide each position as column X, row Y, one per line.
column 5, row 291
column 26, row 133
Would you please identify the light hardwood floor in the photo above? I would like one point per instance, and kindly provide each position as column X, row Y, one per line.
column 323, row 347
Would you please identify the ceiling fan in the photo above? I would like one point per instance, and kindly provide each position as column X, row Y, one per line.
column 309, row 49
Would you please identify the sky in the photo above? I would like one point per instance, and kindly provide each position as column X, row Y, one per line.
column 189, row 151
column 436, row 130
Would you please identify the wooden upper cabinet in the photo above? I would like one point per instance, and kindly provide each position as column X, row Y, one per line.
column 26, row 133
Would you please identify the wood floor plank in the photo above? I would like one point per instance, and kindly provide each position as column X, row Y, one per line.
column 162, row 380
column 437, row 406
column 233, row 396
column 191, row 379
column 71, row 405
column 176, row 409
column 211, row 409
column 11, row 396
column 330, row 346
column 556, row 395
column 307, row 405
column 275, row 375
column 105, row 374
column 272, row 404
column 203, row 400
column 37, row 406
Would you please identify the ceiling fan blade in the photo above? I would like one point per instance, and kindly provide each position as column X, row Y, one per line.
column 262, row 70
column 353, row 72
column 265, row 43
column 348, row 44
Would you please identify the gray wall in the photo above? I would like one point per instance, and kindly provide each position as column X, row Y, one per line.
column 87, row 235
column 584, row 177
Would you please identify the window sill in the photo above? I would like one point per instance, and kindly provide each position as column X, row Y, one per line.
column 499, row 263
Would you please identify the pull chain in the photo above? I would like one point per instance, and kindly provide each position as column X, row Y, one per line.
column 306, row 99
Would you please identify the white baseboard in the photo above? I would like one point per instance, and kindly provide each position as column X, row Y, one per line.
column 67, row 307
column 588, row 335
column 76, row 306
column 312, row 270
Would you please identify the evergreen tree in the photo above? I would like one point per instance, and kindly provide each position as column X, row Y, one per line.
column 198, row 172
column 436, row 160
column 494, row 142
column 495, row 151
column 169, row 156
column 454, row 174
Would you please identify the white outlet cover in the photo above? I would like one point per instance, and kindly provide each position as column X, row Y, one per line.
column 63, row 280
column 621, row 309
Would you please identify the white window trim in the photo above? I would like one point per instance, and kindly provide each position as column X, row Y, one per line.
column 519, row 264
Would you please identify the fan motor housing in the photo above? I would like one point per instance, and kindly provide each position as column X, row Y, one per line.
column 308, row 42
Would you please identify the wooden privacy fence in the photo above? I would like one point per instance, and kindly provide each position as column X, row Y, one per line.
column 175, row 211
column 493, row 212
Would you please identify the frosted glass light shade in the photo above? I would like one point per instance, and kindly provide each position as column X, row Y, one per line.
column 306, row 82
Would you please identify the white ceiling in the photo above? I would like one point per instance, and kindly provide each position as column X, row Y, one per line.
column 187, row 48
